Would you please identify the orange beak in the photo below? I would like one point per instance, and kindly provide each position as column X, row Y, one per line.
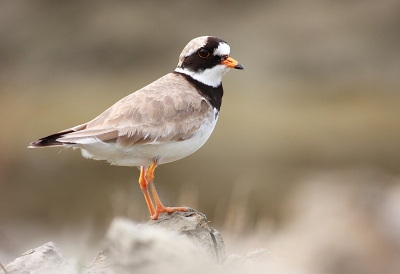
column 232, row 63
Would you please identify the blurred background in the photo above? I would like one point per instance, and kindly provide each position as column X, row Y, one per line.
column 304, row 160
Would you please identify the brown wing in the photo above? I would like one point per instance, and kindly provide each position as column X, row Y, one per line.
column 169, row 109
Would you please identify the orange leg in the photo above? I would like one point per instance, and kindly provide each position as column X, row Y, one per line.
column 143, row 186
column 159, row 206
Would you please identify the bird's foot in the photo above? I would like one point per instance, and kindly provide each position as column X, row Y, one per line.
column 163, row 209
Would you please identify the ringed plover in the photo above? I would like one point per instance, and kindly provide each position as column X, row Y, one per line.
column 165, row 121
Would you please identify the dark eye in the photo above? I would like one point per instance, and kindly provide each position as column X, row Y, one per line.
column 203, row 53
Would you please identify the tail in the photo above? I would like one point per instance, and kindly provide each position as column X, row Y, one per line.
column 50, row 141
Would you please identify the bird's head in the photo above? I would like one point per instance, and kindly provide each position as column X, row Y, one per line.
column 206, row 59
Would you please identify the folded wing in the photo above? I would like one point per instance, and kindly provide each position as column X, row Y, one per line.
column 169, row 109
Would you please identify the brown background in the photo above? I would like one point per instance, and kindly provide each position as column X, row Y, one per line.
column 308, row 136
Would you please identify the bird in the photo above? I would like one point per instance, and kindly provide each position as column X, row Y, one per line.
column 162, row 122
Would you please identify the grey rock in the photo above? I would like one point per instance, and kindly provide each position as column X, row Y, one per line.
column 255, row 256
column 44, row 259
column 144, row 249
column 258, row 260
column 258, row 255
column 102, row 264
column 181, row 242
column 194, row 225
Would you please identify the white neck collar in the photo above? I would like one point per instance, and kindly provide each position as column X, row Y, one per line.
column 210, row 77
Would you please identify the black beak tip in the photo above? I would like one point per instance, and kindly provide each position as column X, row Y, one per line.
column 239, row 66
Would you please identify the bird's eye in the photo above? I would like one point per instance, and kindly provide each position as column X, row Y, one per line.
column 203, row 53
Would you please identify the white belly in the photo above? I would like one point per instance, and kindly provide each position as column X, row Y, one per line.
column 143, row 154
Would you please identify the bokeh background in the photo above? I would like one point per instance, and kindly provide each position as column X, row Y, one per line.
column 304, row 160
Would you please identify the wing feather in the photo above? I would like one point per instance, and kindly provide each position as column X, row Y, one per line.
column 169, row 109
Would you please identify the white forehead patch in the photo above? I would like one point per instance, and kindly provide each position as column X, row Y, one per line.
column 223, row 49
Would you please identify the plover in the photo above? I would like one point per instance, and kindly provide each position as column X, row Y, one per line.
column 165, row 121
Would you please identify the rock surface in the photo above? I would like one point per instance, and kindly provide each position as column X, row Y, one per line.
column 144, row 249
column 181, row 242
column 194, row 225
column 44, row 259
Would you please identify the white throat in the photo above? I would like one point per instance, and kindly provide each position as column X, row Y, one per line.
column 210, row 77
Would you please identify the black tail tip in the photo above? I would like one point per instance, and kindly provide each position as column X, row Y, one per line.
column 36, row 144
column 49, row 141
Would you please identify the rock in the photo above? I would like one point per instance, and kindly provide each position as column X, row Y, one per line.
column 257, row 257
column 144, row 249
column 44, row 259
column 194, row 225
column 181, row 242
column 258, row 260
column 101, row 265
